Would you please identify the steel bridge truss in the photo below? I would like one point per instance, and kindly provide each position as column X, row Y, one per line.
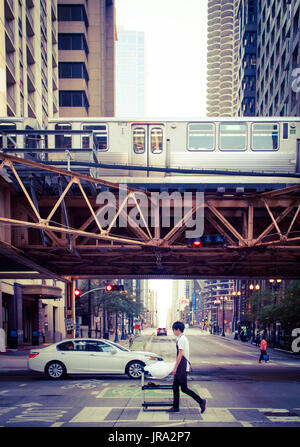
column 56, row 223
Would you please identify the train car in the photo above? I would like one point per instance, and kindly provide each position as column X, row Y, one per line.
column 231, row 147
column 10, row 139
column 155, row 151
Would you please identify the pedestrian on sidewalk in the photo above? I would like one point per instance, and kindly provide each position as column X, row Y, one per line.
column 181, row 367
column 131, row 338
column 257, row 339
column 263, row 349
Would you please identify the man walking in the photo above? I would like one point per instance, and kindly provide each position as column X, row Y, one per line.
column 181, row 367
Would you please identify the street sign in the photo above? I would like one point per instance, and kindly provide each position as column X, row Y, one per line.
column 69, row 323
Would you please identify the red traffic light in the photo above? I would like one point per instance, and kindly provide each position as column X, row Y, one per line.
column 110, row 287
column 197, row 244
column 77, row 293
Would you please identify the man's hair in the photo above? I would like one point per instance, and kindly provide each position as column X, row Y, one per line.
column 178, row 325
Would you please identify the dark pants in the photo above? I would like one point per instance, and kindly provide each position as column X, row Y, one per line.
column 262, row 353
column 182, row 382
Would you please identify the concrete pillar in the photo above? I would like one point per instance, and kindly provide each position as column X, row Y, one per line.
column 15, row 324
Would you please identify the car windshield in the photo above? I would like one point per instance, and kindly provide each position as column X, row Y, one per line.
column 118, row 346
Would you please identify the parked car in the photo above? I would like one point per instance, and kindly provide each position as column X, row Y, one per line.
column 162, row 331
column 89, row 356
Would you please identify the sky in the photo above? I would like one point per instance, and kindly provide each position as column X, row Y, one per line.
column 175, row 71
column 175, row 53
column 164, row 298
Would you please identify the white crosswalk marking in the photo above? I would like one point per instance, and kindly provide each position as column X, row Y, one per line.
column 218, row 414
column 91, row 414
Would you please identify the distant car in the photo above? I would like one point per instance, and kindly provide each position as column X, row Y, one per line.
column 89, row 356
column 162, row 331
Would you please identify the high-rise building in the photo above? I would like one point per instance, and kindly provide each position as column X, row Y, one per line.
column 222, row 44
column 130, row 73
column 278, row 58
column 245, row 93
column 57, row 58
column 29, row 59
column 86, row 35
column 253, row 58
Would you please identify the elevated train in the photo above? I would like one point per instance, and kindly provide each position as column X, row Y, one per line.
column 208, row 150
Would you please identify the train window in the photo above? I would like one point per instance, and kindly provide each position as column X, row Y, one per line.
column 156, row 140
column 7, row 141
column 265, row 136
column 138, row 140
column 63, row 140
column 201, row 137
column 233, row 136
column 100, row 137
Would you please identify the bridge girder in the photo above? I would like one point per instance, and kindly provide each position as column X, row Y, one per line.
column 59, row 229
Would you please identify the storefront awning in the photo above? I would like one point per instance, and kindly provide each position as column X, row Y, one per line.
column 42, row 291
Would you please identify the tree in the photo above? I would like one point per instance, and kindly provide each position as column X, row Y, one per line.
column 114, row 301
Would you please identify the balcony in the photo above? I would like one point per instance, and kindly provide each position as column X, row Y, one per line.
column 10, row 69
column 30, row 52
column 29, row 23
column 31, row 105
column 9, row 9
column 30, row 79
column 9, row 36
column 11, row 103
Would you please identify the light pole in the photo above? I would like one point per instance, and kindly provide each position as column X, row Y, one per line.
column 217, row 302
column 223, row 299
column 253, row 288
column 236, row 295
column 275, row 285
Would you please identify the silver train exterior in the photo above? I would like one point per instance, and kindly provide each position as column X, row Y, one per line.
column 231, row 146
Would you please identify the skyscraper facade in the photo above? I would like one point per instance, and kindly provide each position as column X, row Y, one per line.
column 130, row 73
column 29, row 59
column 57, row 58
column 278, row 58
column 86, row 34
column 253, row 58
column 222, row 44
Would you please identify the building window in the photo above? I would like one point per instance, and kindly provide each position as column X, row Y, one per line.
column 201, row 137
column 73, row 70
column 233, row 136
column 73, row 98
column 72, row 42
column 265, row 137
column 72, row 13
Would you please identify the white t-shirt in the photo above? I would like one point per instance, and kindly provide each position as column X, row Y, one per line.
column 183, row 343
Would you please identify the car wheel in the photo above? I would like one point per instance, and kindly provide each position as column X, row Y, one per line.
column 55, row 370
column 134, row 369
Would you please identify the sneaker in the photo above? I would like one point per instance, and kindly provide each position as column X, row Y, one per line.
column 203, row 406
column 173, row 410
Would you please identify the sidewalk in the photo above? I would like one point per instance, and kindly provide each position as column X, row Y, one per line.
column 231, row 335
column 15, row 360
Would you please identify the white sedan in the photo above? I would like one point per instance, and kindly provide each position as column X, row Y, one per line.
column 89, row 356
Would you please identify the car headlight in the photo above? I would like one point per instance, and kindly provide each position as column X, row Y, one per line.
column 151, row 357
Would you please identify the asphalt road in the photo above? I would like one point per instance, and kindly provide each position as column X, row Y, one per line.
column 240, row 392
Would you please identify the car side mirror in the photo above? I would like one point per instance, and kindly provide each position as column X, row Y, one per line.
column 113, row 351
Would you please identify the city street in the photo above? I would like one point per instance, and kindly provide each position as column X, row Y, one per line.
column 240, row 392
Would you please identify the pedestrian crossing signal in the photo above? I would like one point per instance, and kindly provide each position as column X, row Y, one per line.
column 113, row 287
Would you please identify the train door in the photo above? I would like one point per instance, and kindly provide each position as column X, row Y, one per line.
column 148, row 148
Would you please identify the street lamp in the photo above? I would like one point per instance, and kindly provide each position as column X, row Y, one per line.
column 217, row 302
column 236, row 295
column 223, row 299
